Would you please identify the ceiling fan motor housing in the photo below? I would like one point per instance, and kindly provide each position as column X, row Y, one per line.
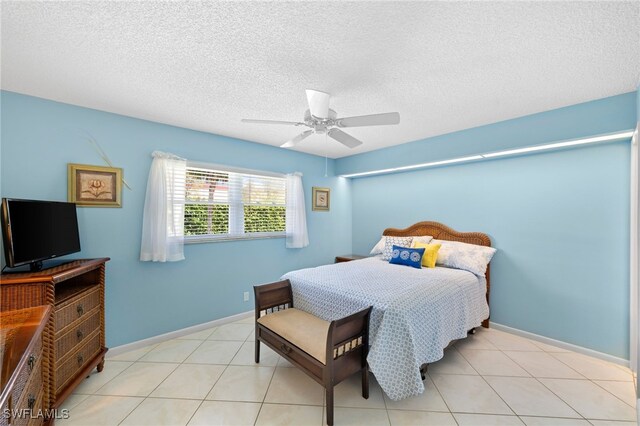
column 320, row 125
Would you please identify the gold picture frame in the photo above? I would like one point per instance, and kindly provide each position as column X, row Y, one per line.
column 321, row 199
column 94, row 186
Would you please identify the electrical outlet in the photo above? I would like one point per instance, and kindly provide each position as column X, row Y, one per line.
column 246, row 296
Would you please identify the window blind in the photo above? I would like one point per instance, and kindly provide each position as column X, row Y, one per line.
column 225, row 203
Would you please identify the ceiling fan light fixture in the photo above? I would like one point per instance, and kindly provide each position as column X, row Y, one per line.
column 320, row 119
column 318, row 103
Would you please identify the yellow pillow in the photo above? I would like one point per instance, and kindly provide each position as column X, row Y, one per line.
column 430, row 253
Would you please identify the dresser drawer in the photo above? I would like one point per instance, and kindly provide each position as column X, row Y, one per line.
column 77, row 333
column 25, row 375
column 76, row 361
column 38, row 420
column 28, row 400
column 292, row 353
column 76, row 308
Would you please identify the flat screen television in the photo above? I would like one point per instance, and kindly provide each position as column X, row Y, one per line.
column 35, row 230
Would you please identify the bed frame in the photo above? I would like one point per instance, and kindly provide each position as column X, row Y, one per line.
column 443, row 232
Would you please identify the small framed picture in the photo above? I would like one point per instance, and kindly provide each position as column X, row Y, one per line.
column 94, row 186
column 321, row 199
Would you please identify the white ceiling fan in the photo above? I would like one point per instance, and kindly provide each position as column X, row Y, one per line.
column 320, row 119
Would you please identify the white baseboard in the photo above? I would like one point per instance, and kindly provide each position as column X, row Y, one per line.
column 174, row 334
column 561, row 344
column 199, row 327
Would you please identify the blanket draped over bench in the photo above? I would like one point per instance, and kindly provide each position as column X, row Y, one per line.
column 416, row 312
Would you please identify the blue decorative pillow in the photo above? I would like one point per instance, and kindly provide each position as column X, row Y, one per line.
column 407, row 256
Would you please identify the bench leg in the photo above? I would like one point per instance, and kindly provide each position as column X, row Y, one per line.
column 329, row 392
column 257, row 351
column 365, row 382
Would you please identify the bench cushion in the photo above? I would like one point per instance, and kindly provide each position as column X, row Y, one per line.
column 304, row 330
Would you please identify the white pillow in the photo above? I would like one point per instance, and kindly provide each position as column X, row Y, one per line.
column 468, row 257
column 391, row 241
column 424, row 239
column 379, row 247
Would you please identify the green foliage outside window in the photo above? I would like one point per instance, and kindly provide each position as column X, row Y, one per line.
column 264, row 219
column 203, row 219
column 208, row 193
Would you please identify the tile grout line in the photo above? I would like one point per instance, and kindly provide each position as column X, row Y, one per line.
column 539, row 381
column 202, row 341
column 270, row 380
column 559, row 397
column 489, row 384
column 614, row 395
column 438, row 390
column 440, row 393
column 216, row 381
column 114, row 377
column 582, row 377
column 248, row 340
column 161, row 382
column 554, row 378
column 599, row 361
column 143, row 398
column 384, row 398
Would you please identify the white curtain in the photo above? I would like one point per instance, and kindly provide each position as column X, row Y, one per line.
column 296, row 216
column 163, row 217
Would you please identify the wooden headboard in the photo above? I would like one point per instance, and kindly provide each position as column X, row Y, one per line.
column 443, row 232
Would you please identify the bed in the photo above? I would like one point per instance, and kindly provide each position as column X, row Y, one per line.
column 416, row 312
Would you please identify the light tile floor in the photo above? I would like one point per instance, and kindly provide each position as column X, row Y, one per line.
column 491, row 378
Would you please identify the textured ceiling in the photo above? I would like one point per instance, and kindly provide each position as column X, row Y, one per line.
column 445, row 66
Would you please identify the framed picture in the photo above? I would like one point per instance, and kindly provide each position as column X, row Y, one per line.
column 94, row 186
column 321, row 199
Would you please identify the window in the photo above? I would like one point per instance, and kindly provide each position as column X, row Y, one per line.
column 226, row 203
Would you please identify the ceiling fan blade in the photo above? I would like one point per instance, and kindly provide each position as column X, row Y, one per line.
column 249, row 120
column 297, row 139
column 344, row 138
column 318, row 103
column 369, row 120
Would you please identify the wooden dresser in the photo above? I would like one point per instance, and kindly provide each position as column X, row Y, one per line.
column 348, row 258
column 22, row 377
column 74, row 339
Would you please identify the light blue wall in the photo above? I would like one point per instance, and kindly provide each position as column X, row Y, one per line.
column 591, row 118
column 40, row 137
column 560, row 219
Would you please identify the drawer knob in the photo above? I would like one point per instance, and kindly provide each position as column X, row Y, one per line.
column 284, row 348
column 79, row 334
column 80, row 359
column 80, row 309
column 31, row 402
column 31, row 362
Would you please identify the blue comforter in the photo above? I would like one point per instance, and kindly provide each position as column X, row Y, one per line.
column 416, row 312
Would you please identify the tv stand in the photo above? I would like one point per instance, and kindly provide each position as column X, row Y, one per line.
column 35, row 266
column 74, row 339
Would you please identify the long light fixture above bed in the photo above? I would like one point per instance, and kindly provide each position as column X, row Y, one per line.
column 610, row 137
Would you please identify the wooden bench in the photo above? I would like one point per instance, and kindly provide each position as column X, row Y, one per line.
column 328, row 352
